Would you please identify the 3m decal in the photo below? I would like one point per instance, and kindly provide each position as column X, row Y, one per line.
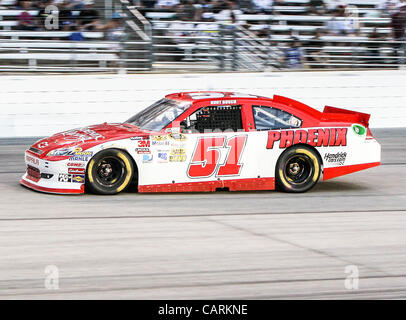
column 144, row 144
column 207, row 154
column 332, row 137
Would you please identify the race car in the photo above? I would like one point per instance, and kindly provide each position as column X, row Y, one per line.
column 206, row 141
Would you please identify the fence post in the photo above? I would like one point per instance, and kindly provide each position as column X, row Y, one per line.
column 234, row 64
column 222, row 49
column 150, row 50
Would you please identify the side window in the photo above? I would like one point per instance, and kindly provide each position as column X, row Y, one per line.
column 268, row 118
column 213, row 118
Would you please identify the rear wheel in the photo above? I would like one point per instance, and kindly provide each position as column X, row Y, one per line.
column 109, row 172
column 298, row 169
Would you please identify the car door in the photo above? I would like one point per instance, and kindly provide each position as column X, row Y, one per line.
column 210, row 142
column 270, row 120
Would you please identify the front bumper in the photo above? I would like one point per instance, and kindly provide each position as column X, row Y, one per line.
column 51, row 176
column 37, row 187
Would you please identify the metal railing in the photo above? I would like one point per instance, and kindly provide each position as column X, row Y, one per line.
column 192, row 46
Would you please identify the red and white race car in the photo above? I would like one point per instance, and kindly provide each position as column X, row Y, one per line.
column 204, row 141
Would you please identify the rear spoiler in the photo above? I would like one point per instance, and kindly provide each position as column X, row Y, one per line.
column 332, row 113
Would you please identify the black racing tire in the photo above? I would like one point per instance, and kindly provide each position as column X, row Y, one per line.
column 298, row 169
column 109, row 172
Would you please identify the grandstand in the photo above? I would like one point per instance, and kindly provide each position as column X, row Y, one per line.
column 146, row 35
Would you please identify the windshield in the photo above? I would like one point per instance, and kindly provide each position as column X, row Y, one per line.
column 159, row 115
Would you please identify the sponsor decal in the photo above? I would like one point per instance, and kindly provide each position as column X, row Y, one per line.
column 223, row 102
column 147, row 158
column 163, row 157
column 76, row 164
column 331, row 137
column 144, row 144
column 79, row 155
column 63, row 177
column 159, row 138
column 177, row 158
column 78, row 178
column 178, row 151
column 359, row 130
column 81, row 135
column 32, row 160
column 160, row 143
column 336, row 158
column 143, row 150
column 177, row 155
column 79, row 158
column 177, row 136
column 135, row 138
column 76, row 170
column 42, row 144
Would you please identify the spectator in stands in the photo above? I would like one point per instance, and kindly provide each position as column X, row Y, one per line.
column 88, row 16
column 315, row 50
column 230, row 13
column 218, row 5
column 189, row 9
column 398, row 22
column 340, row 24
column 374, row 47
column 333, row 5
column 263, row 5
column 167, row 4
column 181, row 29
column 388, row 7
column 317, row 7
column 72, row 4
column 25, row 20
column 294, row 55
column 76, row 35
column 114, row 28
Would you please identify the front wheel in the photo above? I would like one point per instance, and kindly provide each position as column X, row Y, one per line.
column 298, row 169
column 109, row 172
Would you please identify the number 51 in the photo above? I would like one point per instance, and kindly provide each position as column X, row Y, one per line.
column 207, row 155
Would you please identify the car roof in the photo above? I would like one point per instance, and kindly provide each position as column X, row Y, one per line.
column 210, row 95
column 194, row 96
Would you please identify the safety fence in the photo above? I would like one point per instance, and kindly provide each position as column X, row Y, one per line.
column 43, row 105
column 270, row 42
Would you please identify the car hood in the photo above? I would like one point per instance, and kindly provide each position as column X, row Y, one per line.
column 87, row 137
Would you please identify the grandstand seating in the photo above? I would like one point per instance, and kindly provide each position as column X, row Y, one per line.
column 291, row 19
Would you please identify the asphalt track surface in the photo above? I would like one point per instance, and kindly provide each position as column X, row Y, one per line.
column 224, row 245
